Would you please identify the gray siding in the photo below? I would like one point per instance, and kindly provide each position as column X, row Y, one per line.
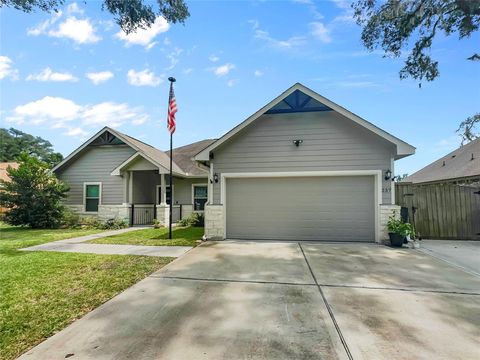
column 330, row 142
column 95, row 165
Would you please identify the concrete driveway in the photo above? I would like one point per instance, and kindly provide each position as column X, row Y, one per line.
column 267, row 300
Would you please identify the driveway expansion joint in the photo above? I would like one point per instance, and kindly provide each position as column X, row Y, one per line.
column 327, row 305
column 233, row 280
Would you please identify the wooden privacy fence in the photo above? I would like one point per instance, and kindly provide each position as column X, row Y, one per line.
column 443, row 210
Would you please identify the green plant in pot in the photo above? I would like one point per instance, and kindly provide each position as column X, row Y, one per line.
column 398, row 231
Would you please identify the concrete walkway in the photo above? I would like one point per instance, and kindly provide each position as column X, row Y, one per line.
column 284, row 300
column 464, row 254
column 77, row 245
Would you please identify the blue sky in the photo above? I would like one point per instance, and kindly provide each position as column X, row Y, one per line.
column 65, row 76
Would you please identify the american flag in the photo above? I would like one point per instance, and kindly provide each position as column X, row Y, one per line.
column 172, row 110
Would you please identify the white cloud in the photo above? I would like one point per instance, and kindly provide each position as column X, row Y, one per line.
column 258, row 73
column 143, row 78
column 48, row 108
column 99, row 77
column 174, row 58
column 73, row 8
column 57, row 112
column 232, row 82
column 112, row 114
column 42, row 27
column 320, row 31
column 48, row 75
column 81, row 31
column 6, row 69
column 223, row 69
column 187, row 71
column 144, row 37
column 75, row 131
column 213, row 58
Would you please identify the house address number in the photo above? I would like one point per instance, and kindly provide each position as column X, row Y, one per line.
column 386, row 190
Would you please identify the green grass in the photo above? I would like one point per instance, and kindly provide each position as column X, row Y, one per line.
column 159, row 237
column 43, row 292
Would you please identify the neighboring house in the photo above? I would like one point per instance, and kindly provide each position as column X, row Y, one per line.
column 112, row 171
column 302, row 168
column 445, row 195
column 4, row 176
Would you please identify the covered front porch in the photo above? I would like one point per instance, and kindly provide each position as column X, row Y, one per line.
column 148, row 192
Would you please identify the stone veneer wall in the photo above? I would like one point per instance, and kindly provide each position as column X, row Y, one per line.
column 105, row 212
column 214, row 223
column 385, row 212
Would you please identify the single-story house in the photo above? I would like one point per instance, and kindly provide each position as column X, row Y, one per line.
column 300, row 168
column 443, row 198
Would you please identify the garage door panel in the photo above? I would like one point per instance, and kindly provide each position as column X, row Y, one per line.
column 316, row 208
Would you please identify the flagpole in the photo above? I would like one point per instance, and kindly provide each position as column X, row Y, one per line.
column 170, row 215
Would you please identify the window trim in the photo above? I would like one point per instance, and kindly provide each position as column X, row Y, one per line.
column 159, row 190
column 85, row 195
column 193, row 196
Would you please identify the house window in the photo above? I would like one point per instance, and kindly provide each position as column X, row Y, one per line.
column 92, row 197
column 168, row 194
column 200, row 197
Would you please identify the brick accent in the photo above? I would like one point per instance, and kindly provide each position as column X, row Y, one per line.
column 214, row 223
column 385, row 212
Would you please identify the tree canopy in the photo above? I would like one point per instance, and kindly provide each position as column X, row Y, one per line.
column 13, row 142
column 33, row 196
column 128, row 14
column 392, row 24
column 395, row 25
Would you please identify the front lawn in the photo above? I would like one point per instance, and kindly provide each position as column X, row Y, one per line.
column 185, row 236
column 43, row 292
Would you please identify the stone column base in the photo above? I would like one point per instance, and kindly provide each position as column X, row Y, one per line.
column 385, row 212
column 214, row 222
column 163, row 214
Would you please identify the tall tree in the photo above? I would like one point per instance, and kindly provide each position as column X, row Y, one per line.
column 33, row 196
column 467, row 128
column 128, row 14
column 394, row 25
column 13, row 142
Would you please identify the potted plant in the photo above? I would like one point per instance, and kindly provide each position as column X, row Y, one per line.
column 398, row 231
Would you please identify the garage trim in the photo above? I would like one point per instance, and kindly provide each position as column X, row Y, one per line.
column 377, row 174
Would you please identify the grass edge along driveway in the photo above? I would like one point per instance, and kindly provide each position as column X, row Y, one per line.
column 181, row 236
column 43, row 292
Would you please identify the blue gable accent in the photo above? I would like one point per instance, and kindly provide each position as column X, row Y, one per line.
column 297, row 102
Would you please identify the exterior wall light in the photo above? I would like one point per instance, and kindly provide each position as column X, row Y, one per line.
column 388, row 174
column 297, row 142
column 215, row 178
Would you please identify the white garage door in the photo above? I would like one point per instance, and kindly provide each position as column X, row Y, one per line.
column 301, row 208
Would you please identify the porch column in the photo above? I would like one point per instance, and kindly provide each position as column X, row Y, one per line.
column 130, row 187
column 126, row 187
column 163, row 191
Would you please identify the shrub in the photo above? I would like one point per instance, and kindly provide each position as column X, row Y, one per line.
column 114, row 224
column 33, row 196
column 397, row 226
column 195, row 219
column 70, row 218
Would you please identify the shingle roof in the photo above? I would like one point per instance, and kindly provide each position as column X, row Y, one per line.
column 457, row 164
column 183, row 157
column 155, row 154
column 3, row 169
